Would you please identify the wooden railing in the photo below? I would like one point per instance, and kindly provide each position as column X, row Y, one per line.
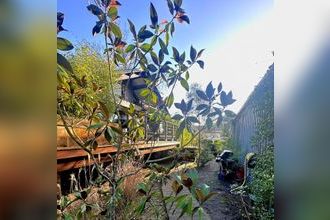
column 165, row 132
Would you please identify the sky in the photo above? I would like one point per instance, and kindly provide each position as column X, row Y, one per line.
column 236, row 36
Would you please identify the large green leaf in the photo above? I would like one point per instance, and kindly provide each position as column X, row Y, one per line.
column 132, row 28
column 145, row 35
column 116, row 30
column 94, row 9
column 176, row 55
column 145, row 47
column 104, row 110
column 153, row 15
column 64, row 44
column 184, row 84
column 130, row 48
column 163, row 46
column 193, row 54
column 119, row 58
column 170, row 6
column 64, row 63
column 144, row 92
column 169, row 100
column 113, row 13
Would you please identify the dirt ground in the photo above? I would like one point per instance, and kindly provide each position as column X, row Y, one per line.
column 223, row 206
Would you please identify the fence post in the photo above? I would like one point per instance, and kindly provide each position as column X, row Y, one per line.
column 146, row 127
column 165, row 127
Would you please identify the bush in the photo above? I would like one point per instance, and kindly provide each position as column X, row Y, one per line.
column 262, row 185
column 207, row 153
column 218, row 146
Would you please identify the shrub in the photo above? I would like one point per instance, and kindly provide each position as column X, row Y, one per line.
column 207, row 153
column 218, row 146
column 262, row 185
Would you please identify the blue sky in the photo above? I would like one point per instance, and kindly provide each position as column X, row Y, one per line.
column 217, row 25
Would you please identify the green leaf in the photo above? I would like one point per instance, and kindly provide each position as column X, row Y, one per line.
column 184, row 84
column 104, row 110
column 154, row 57
column 64, row 44
column 142, row 187
column 152, row 68
column 172, row 29
column 176, row 187
column 161, row 56
column 64, row 63
column 219, row 120
column 182, row 57
column 200, row 212
column 132, row 28
column 205, row 189
column 181, row 201
column 141, row 205
column 180, row 128
column 131, row 108
column 209, row 90
column 178, row 3
column 94, row 9
column 153, row 15
column 145, row 47
column 192, row 173
column 209, row 123
column 201, row 107
column 163, row 46
column 199, row 195
column 94, row 144
column 97, row 28
column 170, row 6
column 177, row 117
column 130, row 48
column 95, row 126
column 192, row 119
column 187, row 209
column 153, row 40
column 170, row 100
column 201, row 64
column 167, row 38
column 202, row 95
column 116, row 30
column 187, row 75
column 209, row 195
column 113, row 13
column 193, row 54
column 108, row 134
column 144, row 92
column 176, row 55
column 119, row 58
column 145, row 35
column 200, row 53
column 154, row 98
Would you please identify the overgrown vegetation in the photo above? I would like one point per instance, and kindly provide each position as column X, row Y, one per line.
column 148, row 53
column 262, row 185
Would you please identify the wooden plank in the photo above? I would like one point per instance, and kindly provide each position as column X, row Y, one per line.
column 77, row 164
column 153, row 150
column 71, row 153
column 67, row 153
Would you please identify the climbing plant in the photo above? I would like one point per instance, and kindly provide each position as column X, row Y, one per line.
column 150, row 53
column 261, row 187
